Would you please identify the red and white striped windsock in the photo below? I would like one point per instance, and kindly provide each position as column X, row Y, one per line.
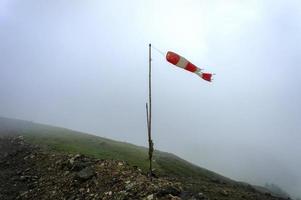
column 183, row 63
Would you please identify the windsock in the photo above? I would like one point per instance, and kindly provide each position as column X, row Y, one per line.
column 183, row 63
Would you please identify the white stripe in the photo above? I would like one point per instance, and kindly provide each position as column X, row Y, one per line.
column 199, row 73
column 182, row 62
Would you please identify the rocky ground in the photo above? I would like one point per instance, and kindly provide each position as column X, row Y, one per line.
column 29, row 172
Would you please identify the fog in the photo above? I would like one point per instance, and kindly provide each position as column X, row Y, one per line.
column 84, row 65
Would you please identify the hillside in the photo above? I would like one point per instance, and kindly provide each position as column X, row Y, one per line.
column 28, row 172
column 65, row 140
column 194, row 179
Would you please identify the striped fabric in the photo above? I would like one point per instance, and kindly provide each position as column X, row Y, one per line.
column 183, row 63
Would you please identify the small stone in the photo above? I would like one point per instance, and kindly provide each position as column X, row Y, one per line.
column 108, row 193
column 71, row 160
column 85, row 174
column 129, row 186
column 150, row 197
column 24, row 193
column 168, row 190
column 201, row 196
column 224, row 192
column 58, row 162
column 174, row 197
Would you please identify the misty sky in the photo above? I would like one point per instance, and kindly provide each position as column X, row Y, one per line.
column 83, row 65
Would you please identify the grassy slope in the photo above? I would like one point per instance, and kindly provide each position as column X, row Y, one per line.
column 70, row 141
column 61, row 139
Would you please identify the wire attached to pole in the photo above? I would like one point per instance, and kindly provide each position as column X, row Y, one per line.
column 158, row 50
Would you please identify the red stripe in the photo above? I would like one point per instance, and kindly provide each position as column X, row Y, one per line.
column 172, row 57
column 191, row 67
column 207, row 76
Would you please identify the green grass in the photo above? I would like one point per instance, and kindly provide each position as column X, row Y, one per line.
column 69, row 141
column 75, row 142
column 166, row 164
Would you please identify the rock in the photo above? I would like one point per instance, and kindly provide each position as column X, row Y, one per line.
column 58, row 162
column 108, row 193
column 122, row 194
column 23, row 193
column 174, row 197
column 77, row 163
column 150, row 197
column 77, row 166
column 22, row 178
column 85, row 174
column 71, row 160
column 129, row 186
column 26, row 170
column 168, row 190
column 66, row 173
column 44, row 175
column 224, row 193
column 201, row 196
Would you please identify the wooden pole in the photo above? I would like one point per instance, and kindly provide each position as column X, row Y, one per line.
column 149, row 113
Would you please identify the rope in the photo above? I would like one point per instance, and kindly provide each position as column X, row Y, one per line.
column 158, row 50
